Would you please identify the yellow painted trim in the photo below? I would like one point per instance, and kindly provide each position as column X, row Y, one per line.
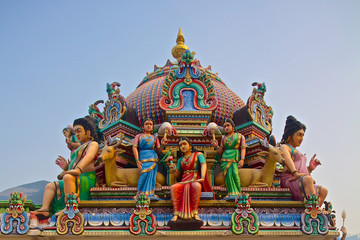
column 170, row 112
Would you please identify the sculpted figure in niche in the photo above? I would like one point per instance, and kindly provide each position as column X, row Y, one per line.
column 296, row 175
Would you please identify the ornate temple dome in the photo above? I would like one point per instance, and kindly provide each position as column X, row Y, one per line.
column 148, row 98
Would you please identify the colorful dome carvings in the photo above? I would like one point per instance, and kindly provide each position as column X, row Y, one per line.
column 183, row 86
column 187, row 88
column 115, row 107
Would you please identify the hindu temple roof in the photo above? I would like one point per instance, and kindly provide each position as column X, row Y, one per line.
column 146, row 97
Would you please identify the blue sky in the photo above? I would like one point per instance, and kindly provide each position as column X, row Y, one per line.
column 57, row 56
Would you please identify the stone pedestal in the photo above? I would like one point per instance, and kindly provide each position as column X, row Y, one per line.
column 185, row 224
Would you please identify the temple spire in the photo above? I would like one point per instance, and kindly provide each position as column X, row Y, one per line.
column 180, row 47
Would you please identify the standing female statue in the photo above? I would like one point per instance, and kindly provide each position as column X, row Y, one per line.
column 145, row 149
column 185, row 195
column 80, row 173
column 296, row 175
column 231, row 159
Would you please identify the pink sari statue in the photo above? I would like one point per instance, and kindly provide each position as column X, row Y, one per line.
column 297, row 186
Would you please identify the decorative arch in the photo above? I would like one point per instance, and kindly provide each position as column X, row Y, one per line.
column 188, row 84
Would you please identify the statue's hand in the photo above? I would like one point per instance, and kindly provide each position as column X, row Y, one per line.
column 139, row 165
column 164, row 141
column 214, row 143
column 74, row 172
column 314, row 162
column 296, row 176
column 241, row 163
column 62, row 162
column 172, row 167
column 199, row 180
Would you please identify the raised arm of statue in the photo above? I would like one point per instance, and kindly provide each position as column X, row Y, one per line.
column 215, row 144
column 62, row 162
column 314, row 162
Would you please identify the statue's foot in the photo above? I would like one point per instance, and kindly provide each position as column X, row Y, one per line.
column 229, row 197
column 41, row 214
column 174, row 218
column 136, row 196
column 197, row 218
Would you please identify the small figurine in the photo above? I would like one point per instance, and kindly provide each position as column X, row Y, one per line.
column 296, row 175
column 80, row 174
column 261, row 88
column 145, row 149
column 185, row 195
column 70, row 138
column 231, row 159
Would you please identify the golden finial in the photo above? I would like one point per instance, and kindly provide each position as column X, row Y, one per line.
column 180, row 47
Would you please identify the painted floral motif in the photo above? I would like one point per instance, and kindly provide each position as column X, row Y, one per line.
column 244, row 220
column 15, row 212
column 70, row 214
column 142, row 221
column 313, row 221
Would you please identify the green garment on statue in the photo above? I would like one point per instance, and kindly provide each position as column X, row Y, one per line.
column 230, row 168
column 87, row 181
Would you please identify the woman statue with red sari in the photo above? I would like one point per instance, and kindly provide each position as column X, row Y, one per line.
column 185, row 195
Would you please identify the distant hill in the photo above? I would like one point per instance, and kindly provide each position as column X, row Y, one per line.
column 33, row 191
column 354, row 237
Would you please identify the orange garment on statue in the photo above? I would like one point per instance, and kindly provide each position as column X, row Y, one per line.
column 185, row 195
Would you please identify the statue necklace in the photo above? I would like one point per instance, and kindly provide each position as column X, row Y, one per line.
column 148, row 140
column 187, row 160
column 230, row 139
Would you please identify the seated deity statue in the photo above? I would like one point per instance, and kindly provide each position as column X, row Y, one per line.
column 185, row 195
column 296, row 175
column 79, row 174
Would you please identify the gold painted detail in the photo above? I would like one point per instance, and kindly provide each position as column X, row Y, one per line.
column 180, row 47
